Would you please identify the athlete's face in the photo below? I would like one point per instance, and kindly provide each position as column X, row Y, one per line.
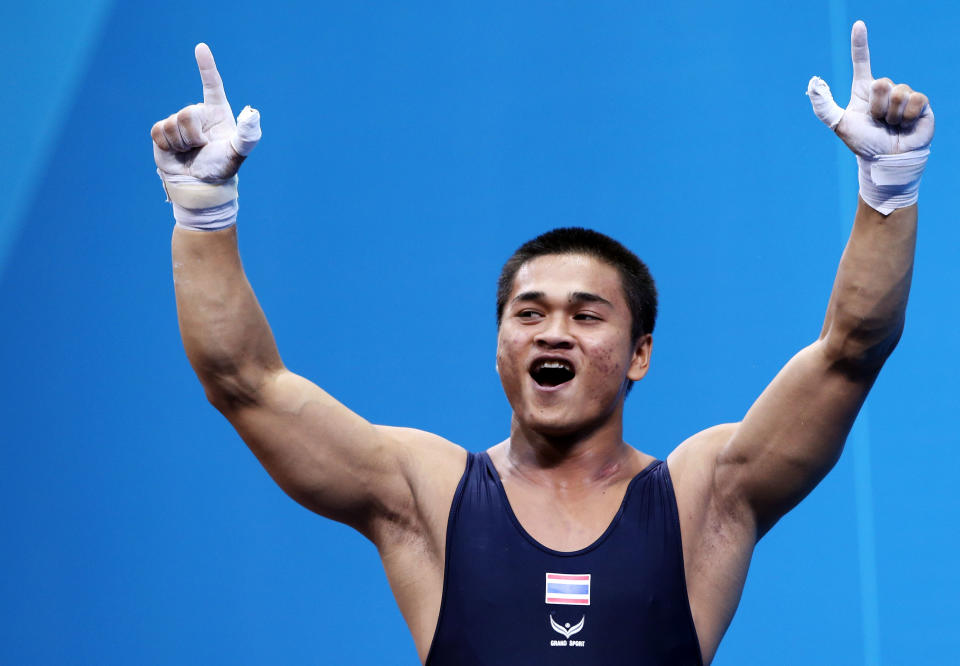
column 564, row 351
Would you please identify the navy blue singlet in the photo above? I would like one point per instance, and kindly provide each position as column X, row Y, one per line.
column 507, row 599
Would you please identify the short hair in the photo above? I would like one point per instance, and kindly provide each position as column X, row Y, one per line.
column 638, row 286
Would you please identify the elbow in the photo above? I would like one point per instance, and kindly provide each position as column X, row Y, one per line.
column 228, row 396
column 860, row 346
column 230, row 386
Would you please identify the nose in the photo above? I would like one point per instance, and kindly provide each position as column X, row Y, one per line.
column 554, row 334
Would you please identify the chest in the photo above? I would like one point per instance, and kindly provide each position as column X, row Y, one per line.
column 564, row 521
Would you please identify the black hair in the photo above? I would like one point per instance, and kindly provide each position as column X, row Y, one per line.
column 638, row 286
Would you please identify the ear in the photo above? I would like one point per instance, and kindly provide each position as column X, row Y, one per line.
column 640, row 362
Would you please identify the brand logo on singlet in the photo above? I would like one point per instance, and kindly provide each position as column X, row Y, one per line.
column 566, row 630
column 567, row 590
column 572, row 589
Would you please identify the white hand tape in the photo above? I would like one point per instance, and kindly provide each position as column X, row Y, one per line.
column 202, row 205
column 248, row 131
column 888, row 182
column 193, row 193
column 902, row 169
column 207, row 219
column 822, row 100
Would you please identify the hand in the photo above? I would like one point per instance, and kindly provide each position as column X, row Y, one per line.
column 882, row 118
column 203, row 140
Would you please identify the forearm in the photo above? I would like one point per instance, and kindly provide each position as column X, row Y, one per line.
column 225, row 333
column 865, row 315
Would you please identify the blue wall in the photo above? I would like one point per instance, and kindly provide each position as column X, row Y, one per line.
column 407, row 150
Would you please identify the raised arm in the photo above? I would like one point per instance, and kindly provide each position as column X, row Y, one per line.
column 322, row 454
column 795, row 431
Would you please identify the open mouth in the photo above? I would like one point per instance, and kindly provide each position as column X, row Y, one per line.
column 551, row 372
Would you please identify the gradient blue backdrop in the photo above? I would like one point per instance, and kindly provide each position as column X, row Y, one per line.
column 408, row 149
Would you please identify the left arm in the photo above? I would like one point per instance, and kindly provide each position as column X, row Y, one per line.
column 794, row 433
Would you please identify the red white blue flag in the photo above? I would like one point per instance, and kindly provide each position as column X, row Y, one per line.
column 573, row 589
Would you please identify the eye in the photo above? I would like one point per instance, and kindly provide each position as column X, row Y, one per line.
column 586, row 316
column 528, row 314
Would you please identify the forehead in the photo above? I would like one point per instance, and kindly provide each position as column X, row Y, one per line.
column 558, row 275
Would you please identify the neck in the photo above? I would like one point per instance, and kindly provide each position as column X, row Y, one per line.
column 583, row 459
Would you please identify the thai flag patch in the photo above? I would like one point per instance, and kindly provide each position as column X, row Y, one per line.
column 572, row 589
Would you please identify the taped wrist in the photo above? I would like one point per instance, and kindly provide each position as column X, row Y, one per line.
column 200, row 204
column 888, row 182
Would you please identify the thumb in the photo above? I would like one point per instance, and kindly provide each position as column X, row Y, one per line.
column 822, row 100
column 248, row 131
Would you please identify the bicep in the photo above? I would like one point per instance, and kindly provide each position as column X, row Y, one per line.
column 793, row 434
column 322, row 454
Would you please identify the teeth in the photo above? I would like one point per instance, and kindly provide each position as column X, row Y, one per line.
column 554, row 365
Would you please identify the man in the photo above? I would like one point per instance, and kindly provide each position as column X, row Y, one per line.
column 562, row 544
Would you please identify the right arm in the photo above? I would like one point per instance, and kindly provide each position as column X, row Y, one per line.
column 322, row 454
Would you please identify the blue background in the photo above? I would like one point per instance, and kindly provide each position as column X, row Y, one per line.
column 408, row 149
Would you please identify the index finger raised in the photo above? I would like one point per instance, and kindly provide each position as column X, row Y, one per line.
column 212, row 83
column 860, row 52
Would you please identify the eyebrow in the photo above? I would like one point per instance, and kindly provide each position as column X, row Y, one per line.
column 574, row 297
column 587, row 297
column 529, row 296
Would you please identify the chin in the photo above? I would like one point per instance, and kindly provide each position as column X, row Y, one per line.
column 561, row 426
column 559, row 421
column 555, row 428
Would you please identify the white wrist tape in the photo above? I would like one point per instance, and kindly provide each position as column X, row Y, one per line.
column 200, row 204
column 888, row 182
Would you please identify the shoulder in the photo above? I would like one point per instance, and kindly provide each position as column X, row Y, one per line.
column 694, row 460
column 700, row 491
column 420, row 442
column 431, row 467
column 424, row 458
